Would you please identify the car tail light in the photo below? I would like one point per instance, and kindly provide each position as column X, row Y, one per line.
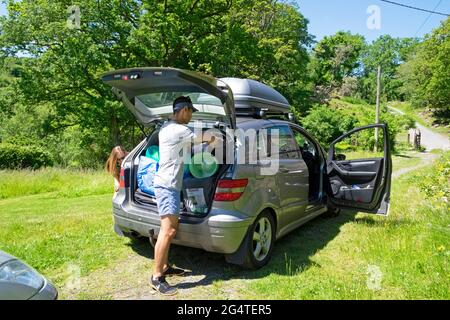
column 122, row 178
column 230, row 190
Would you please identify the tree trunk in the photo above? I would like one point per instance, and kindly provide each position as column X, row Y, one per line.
column 114, row 129
column 377, row 112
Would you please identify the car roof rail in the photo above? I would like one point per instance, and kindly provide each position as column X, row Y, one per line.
column 263, row 113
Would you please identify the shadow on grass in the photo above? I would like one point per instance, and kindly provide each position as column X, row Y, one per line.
column 291, row 254
column 402, row 155
column 370, row 221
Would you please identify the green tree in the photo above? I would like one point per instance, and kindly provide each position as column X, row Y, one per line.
column 389, row 53
column 335, row 57
column 9, row 73
column 426, row 75
column 260, row 39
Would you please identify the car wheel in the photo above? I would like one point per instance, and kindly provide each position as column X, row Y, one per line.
column 260, row 241
column 332, row 213
column 134, row 237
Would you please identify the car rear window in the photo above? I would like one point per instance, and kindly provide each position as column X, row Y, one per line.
column 163, row 99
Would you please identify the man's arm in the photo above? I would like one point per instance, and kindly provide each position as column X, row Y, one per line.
column 198, row 139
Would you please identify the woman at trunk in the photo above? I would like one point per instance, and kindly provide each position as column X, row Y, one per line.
column 113, row 164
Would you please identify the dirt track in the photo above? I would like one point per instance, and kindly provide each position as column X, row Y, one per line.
column 429, row 139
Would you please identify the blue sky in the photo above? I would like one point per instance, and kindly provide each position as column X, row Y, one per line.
column 326, row 17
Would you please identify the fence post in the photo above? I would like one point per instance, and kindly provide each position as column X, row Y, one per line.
column 417, row 139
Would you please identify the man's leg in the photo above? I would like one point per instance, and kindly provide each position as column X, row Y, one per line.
column 169, row 226
column 173, row 230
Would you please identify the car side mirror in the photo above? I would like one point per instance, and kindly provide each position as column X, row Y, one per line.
column 340, row 157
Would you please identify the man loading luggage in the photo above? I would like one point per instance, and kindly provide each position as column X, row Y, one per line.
column 168, row 182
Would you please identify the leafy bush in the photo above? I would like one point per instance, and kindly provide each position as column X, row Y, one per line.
column 436, row 185
column 327, row 124
column 354, row 100
column 20, row 157
column 24, row 141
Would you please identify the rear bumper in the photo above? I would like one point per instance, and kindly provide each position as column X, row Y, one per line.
column 219, row 232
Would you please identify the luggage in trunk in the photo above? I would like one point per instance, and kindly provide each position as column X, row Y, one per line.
column 197, row 194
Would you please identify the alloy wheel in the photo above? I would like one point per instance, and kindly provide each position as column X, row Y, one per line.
column 262, row 239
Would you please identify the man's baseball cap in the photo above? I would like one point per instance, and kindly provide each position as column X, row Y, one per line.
column 182, row 102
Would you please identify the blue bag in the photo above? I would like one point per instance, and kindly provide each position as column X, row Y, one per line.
column 146, row 173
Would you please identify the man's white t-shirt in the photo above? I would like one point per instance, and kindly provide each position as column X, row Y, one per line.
column 174, row 141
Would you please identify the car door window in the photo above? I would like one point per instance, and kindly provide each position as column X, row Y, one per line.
column 305, row 145
column 288, row 148
column 364, row 144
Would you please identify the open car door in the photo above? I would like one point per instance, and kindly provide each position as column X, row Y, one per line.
column 149, row 93
column 359, row 169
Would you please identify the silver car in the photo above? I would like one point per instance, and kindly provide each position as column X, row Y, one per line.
column 19, row 281
column 246, row 210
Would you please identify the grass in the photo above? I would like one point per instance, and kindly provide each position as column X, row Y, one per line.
column 50, row 232
column 402, row 256
column 54, row 218
column 406, row 159
column 65, row 183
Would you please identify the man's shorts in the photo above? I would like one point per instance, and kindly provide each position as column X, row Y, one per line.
column 168, row 201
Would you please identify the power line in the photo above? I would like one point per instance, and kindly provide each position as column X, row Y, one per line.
column 415, row 8
column 428, row 18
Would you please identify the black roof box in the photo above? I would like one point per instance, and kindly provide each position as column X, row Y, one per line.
column 252, row 97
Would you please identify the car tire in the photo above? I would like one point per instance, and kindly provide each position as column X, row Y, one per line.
column 260, row 241
column 134, row 237
column 332, row 213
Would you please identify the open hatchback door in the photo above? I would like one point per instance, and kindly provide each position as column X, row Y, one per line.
column 359, row 169
column 149, row 93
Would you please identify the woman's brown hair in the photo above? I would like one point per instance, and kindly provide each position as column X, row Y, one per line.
column 112, row 166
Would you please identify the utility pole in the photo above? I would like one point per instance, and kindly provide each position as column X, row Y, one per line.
column 377, row 113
